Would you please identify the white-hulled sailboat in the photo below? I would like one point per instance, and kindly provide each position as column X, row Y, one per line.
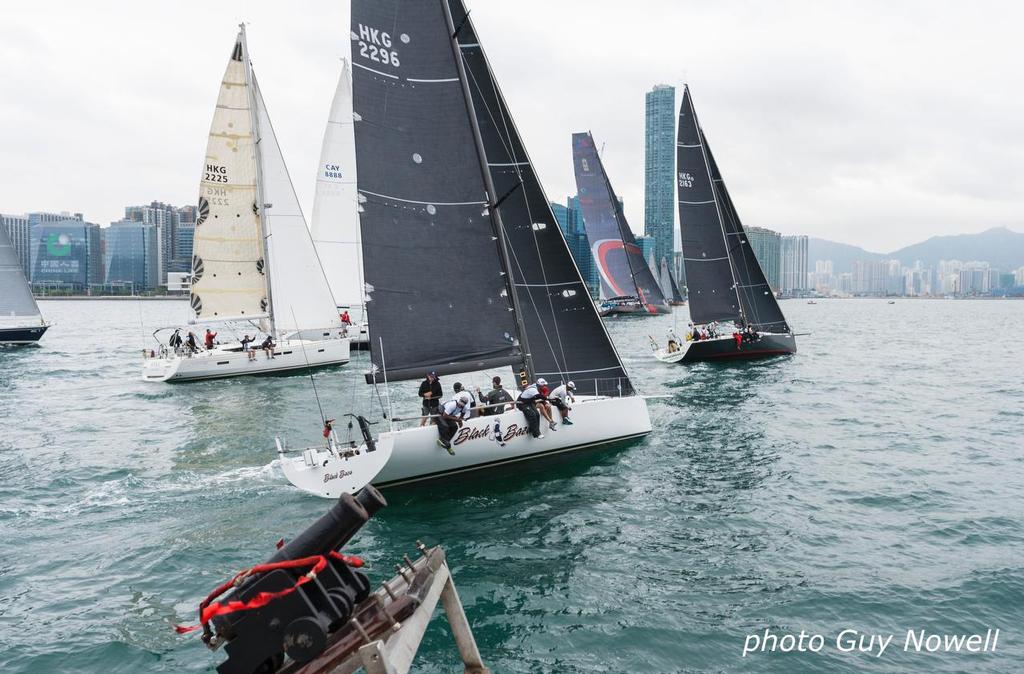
column 335, row 221
column 253, row 259
column 466, row 267
column 20, row 319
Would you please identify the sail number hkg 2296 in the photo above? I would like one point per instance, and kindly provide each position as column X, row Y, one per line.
column 376, row 45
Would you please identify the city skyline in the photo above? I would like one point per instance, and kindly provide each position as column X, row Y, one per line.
column 834, row 147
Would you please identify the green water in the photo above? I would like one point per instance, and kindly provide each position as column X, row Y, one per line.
column 872, row 482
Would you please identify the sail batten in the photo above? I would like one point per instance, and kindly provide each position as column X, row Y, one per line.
column 623, row 270
column 566, row 337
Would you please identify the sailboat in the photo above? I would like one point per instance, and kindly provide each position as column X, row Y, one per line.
column 466, row 267
column 255, row 271
column 628, row 285
column 725, row 280
column 335, row 222
column 669, row 286
column 20, row 319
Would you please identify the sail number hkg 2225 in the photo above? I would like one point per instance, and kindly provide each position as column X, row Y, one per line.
column 376, row 45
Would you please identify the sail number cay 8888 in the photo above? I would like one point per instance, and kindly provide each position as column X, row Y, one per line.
column 376, row 45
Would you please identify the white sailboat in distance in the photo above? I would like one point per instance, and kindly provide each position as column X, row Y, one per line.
column 255, row 272
column 335, row 221
column 466, row 268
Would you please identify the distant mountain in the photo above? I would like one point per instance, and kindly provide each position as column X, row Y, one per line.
column 841, row 254
column 1000, row 247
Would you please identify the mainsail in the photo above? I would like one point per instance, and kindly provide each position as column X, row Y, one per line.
column 228, row 276
column 438, row 295
column 724, row 278
column 335, row 223
column 623, row 270
column 300, row 297
column 16, row 299
column 566, row 338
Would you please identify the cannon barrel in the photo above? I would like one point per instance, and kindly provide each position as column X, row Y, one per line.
column 335, row 528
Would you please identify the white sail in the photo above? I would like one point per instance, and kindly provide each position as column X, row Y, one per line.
column 335, row 224
column 16, row 301
column 300, row 297
column 228, row 276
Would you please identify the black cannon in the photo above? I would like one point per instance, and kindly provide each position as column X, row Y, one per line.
column 299, row 618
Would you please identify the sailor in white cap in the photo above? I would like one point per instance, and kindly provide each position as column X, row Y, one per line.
column 561, row 397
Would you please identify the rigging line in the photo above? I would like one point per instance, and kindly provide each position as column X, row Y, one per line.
column 309, row 370
column 506, row 141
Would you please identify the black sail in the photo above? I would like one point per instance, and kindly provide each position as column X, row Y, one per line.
column 760, row 308
column 566, row 338
column 438, row 296
column 668, row 282
column 624, row 272
column 709, row 273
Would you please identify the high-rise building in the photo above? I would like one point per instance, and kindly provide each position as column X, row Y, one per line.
column 659, row 170
column 766, row 245
column 570, row 221
column 167, row 219
column 132, row 254
column 20, row 233
column 67, row 254
column 182, row 261
column 648, row 247
column 1018, row 276
column 793, row 264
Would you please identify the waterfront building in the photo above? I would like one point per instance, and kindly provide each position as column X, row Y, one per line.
column 167, row 219
column 131, row 252
column 766, row 245
column 793, row 264
column 1018, row 276
column 67, row 255
column 182, row 261
column 976, row 278
column 659, row 170
column 20, row 232
column 570, row 221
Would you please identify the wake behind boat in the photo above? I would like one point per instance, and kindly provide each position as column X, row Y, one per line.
column 255, row 271
column 20, row 319
column 725, row 281
column 466, row 267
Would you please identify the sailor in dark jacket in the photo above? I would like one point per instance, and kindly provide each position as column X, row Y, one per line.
column 430, row 392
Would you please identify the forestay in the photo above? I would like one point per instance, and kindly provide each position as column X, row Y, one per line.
column 15, row 293
column 300, row 297
column 566, row 337
column 228, row 275
column 335, row 222
column 623, row 271
column 709, row 273
column 437, row 296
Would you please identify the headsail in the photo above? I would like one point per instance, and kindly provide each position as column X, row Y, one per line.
column 624, row 272
column 228, row 276
column 300, row 297
column 709, row 273
column 668, row 283
column 437, row 291
column 16, row 299
column 760, row 308
column 335, row 223
column 566, row 337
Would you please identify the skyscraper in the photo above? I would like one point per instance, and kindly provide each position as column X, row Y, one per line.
column 659, row 169
column 793, row 264
column 570, row 221
column 67, row 254
column 767, row 249
column 167, row 219
column 131, row 254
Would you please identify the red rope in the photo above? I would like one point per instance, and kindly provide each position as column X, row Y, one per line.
column 209, row 609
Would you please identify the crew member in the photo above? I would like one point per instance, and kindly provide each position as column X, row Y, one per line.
column 543, row 405
column 496, row 396
column 345, row 318
column 561, row 397
column 246, row 341
column 527, row 404
column 208, row 339
column 268, row 347
column 430, row 392
column 457, row 387
column 451, row 416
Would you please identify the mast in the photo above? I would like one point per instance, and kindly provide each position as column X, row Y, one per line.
column 257, row 143
column 718, row 206
column 492, row 207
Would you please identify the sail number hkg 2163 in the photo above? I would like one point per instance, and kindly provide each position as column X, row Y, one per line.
column 376, row 45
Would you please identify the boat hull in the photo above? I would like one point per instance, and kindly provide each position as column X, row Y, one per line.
column 415, row 455
column 222, row 362
column 632, row 310
column 27, row 334
column 724, row 348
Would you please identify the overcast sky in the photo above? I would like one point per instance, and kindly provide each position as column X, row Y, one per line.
column 872, row 123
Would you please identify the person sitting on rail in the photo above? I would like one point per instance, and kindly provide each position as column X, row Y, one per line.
column 268, row 347
column 544, row 405
column 452, row 414
column 527, row 404
column 562, row 396
column 457, row 387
